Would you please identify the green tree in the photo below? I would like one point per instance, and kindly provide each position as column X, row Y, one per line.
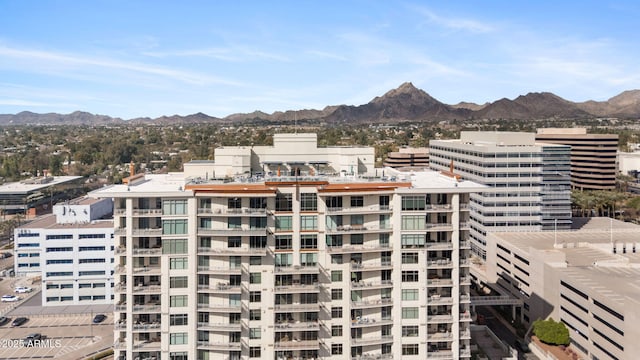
column 551, row 332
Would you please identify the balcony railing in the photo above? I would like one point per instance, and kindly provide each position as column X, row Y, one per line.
column 142, row 327
column 221, row 288
column 223, row 346
column 440, row 300
column 145, row 251
column 150, row 270
column 440, row 263
column 223, row 270
column 363, row 209
column 358, row 248
column 372, row 341
column 147, row 308
column 297, row 307
column 232, row 251
column 371, row 266
column 147, row 289
column 300, row 344
column 298, row 269
column 439, row 245
column 371, row 303
column 147, row 232
column 219, row 326
column 439, row 282
column 358, row 229
column 298, row 326
column 297, row 288
column 439, row 318
column 222, row 308
column 242, row 231
column 147, row 212
column 369, row 322
column 371, row 284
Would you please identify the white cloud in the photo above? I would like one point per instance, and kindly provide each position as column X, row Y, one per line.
column 454, row 23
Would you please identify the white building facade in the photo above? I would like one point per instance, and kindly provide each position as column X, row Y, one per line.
column 71, row 250
column 285, row 268
column 529, row 185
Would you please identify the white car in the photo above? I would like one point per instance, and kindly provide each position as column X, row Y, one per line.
column 10, row 298
column 22, row 289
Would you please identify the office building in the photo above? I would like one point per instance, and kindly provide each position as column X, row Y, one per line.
column 34, row 196
column 593, row 156
column 528, row 182
column 71, row 250
column 292, row 267
column 587, row 278
column 408, row 158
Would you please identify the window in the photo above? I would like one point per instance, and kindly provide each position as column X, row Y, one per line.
column 283, row 202
column 410, row 349
column 308, row 202
column 178, row 319
column 336, row 313
column 255, row 296
column 234, row 203
column 357, row 201
column 258, row 203
column 357, row 239
column 309, row 259
column 412, row 203
column 178, row 263
column 254, row 352
column 178, row 282
column 91, row 248
column 336, row 330
column 409, row 312
column 334, row 202
column 60, row 273
column 59, row 261
column 413, row 222
column 255, row 314
column 178, row 338
column 234, row 222
column 283, row 242
column 91, row 261
column 255, row 333
column 255, row 260
column 336, row 275
column 59, row 249
column 255, row 278
column 409, row 241
column 309, row 222
column 284, row 223
column 385, row 221
column 336, row 294
column 66, row 286
column 91, row 273
column 284, row 259
column 410, row 294
column 409, row 258
column 174, row 246
column 174, row 207
column 384, row 202
column 410, row 331
column 410, row 276
column 178, row 301
column 257, row 222
column 337, row 259
column 308, row 241
column 336, row 349
column 234, row 241
column 175, row 226
column 59, row 237
column 334, row 240
column 257, row 242
column 180, row 355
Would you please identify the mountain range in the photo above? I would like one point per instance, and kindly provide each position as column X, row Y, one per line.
column 405, row 103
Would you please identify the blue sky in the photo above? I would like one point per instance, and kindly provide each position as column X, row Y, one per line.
column 151, row 58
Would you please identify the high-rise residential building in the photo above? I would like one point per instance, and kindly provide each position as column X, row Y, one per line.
column 71, row 250
column 586, row 278
column 593, row 156
column 528, row 182
column 292, row 267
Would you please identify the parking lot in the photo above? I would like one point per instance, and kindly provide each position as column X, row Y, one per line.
column 66, row 337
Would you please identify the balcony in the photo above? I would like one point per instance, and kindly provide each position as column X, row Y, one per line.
column 297, row 307
column 358, row 229
column 440, row 354
column 239, row 231
column 465, row 280
column 120, row 269
column 147, row 232
column 120, row 345
column 146, row 308
column 372, row 209
column 372, row 266
column 358, row 248
column 233, row 212
column 219, row 346
column 440, row 300
column 370, row 322
column 298, row 326
column 120, row 287
column 220, row 270
column 366, row 285
column 119, row 212
column 147, row 212
column 465, row 334
column 152, row 345
column 439, row 336
column 232, row 251
column 145, row 327
column 120, row 250
column 465, row 244
column 373, row 357
column 120, row 231
column 465, row 298
column 297, row 345
column 221, row 288
column 372, row 340
column 147, row 270
column 222, row 327
column 438, row 227
column 297, row 288
column 465, row 316
column 440, row 264
column 435, row 282
column 364, row 304
column 220, row 308
column 146, row 289
column 297, row 269
column 439, row 245
column 439, row 318
column 146, row 251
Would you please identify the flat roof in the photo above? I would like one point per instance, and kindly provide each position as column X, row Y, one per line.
column 49, row 222
column 25, row 186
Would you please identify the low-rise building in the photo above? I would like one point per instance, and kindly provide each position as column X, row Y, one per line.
column 71, row 250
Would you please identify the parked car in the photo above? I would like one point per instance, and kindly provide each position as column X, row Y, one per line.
column 23, row 289
column 99, row 318
column 4, row 320
column 10, row 298
column 19, row 321
column 29, row 339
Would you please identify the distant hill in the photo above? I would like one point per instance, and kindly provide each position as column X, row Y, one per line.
column 406, row 103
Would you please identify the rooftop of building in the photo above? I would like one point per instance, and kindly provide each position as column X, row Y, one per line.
column 585, row 253
column 491, row 140
column 175, row 183
column 29, row 185
column 49, row 222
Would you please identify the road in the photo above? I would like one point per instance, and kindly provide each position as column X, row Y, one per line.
column 501, row 330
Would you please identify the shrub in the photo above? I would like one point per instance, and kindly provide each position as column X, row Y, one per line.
column 551, row 332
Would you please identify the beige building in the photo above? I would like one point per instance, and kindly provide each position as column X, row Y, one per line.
column 409, row 158
column 593, row 156
column 288, row 267
column 588, row 278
